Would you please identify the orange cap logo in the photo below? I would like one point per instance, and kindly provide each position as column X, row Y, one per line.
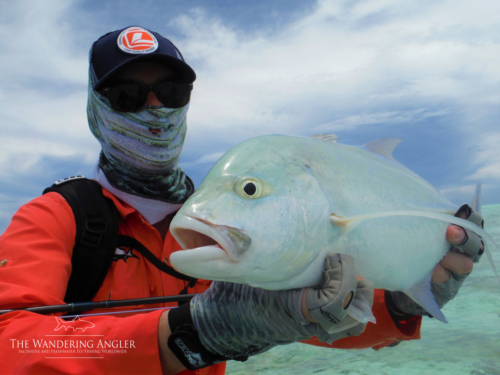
column 136, row 40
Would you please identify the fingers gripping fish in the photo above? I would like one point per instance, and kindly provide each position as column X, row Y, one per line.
column 273, row 207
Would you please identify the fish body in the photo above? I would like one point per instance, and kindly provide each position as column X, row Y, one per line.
column 273, row 206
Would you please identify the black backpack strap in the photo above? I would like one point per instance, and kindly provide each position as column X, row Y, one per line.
column 97, row 222
column 126, row 241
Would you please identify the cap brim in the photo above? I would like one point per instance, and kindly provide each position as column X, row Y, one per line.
column 183, row 70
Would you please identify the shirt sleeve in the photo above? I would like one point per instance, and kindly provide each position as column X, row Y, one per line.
column 35, row 265
column 384, row 333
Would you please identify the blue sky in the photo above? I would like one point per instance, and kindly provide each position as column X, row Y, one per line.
column 427, row 72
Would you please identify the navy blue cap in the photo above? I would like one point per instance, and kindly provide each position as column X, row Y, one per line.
column 132, row 44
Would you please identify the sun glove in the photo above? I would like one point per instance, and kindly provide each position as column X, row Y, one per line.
column 329, row 304
column 235, row 320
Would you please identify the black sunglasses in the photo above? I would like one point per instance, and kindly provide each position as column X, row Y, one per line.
column 130, row 97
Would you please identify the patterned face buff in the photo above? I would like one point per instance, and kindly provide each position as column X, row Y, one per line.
column 136, row 160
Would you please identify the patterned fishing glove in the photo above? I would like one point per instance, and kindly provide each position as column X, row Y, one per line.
column 403, row 307
column 234, row 321
column 329, row 305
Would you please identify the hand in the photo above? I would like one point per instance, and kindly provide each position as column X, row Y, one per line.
column 329, row 304
column 464, row 241
column 234, row 321
column 450, row 273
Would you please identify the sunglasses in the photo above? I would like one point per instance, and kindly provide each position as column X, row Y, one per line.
column 130, row 97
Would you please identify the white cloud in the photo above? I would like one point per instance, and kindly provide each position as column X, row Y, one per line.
column 205, row 159
column 37, row 43
column 468, row 189
column 487, row 159
column 463, row 193
column 332, row 64
column 488, row 172
column 379, row 119
column 42, row 87
column 361, row 65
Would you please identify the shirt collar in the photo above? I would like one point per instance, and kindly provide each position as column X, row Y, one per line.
column 123, row 208
column 150, row 209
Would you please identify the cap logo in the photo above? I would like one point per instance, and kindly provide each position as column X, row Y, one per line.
column 136, row 40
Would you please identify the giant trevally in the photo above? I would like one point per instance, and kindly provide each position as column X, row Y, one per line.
column 273, row 206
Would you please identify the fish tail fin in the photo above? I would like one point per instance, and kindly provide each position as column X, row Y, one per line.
column 60, row 323
column 421, row 293
column 490, row 259
column 476, row 199
column 476, row 206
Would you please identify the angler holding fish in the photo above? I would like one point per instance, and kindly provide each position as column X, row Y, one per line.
column 286, row 236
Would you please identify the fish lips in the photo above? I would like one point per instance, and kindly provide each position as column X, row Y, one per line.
column 210, row 241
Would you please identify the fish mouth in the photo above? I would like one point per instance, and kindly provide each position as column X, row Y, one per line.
column 211, row 241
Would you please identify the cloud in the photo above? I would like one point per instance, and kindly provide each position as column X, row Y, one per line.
column 427, row 72
column 205, row 159
column 463, row 193
column 487, row 158
column 490, row 171
column 38, row 43
column 42, row 86
column 334, row 62
column 382, row 118
column 468, row 189
column 424, row 72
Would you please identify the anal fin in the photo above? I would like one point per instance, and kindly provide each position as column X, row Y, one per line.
column 421, row 293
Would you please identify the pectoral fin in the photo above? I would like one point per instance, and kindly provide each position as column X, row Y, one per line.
column 361, row 310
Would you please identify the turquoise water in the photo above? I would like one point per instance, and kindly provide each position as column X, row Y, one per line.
column 469, row 344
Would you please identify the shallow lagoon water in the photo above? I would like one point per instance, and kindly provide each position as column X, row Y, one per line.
column 468, row 344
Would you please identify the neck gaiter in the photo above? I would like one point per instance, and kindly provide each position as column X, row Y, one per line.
column 134, row 159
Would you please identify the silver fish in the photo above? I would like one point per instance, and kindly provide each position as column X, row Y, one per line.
column 273, row 206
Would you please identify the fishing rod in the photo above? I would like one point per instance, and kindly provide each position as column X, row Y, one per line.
column 84, row 306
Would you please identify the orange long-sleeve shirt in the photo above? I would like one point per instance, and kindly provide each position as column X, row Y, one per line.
column 35, row 265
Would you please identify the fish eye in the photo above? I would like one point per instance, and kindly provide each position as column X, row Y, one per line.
column 248, row 187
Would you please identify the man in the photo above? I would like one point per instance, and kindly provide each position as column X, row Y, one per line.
column 139, row 94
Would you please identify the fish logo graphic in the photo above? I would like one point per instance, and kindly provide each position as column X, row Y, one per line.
column 136, row 40
column 75, row 324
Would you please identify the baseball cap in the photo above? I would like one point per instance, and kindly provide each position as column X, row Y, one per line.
column 132, row 44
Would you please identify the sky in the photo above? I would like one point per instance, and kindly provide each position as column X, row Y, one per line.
column 427, row 72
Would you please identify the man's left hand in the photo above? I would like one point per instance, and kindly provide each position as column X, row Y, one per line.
column 469, row 245
column 450, row 273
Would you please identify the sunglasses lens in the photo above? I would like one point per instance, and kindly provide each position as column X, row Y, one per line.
column 130, row 97
column 127, row 97
column 172, row 94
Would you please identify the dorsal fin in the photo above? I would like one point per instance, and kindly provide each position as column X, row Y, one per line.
column 325, row 137
column 384, row 146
